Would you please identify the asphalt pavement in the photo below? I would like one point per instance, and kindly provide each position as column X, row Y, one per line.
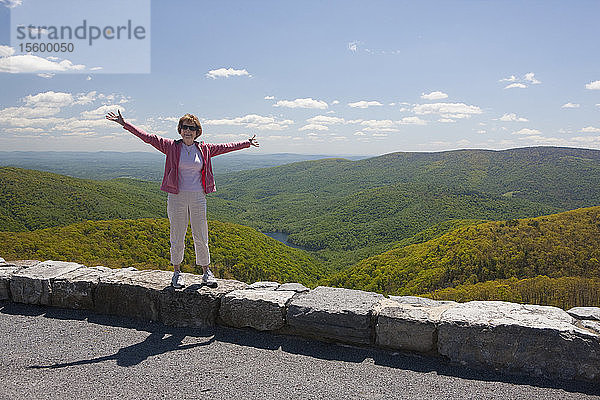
column 52, row 353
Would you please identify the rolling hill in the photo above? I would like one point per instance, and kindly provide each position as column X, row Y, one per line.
column 237, row 252
column 559, row 245
column 31, row 200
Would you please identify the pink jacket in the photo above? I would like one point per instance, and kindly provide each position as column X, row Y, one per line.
column 172, row 148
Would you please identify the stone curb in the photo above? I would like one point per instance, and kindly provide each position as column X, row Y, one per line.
column 514, row 338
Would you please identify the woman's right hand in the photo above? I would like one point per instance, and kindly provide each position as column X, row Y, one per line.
column 118, row 118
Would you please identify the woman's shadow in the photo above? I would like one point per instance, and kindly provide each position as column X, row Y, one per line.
column 156, row 343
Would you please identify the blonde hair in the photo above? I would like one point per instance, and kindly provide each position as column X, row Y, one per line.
column 191, row 119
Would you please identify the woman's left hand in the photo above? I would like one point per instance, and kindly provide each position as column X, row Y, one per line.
column 253, row 141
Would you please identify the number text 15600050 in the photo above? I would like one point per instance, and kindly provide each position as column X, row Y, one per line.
column 47, row 47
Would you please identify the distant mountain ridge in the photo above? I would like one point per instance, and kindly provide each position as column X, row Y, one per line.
column 338, row 205
column 148, row 166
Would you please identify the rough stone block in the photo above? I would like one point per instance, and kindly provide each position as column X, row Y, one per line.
column 592, row 325
column 131, row 293
column 421, row 301
column 196, row 304
column 334, row 314
column 148, row 295
column 409, row 326
column 33, row 285
column 592, row 313
column 263, row 310
column 76, row 289
column 294, row 287
column 5, row 274
column 264, row 285
column 516, row 338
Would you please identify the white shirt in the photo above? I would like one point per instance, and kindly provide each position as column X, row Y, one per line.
column 190, row 167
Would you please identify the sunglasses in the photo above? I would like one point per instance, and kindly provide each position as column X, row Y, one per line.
column 191, row 128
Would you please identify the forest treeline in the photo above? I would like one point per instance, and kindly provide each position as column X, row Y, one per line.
column 557, row 246
column 565, row 292
column 237, row 252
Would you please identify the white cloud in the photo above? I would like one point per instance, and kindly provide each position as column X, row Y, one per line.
column 314, row 127
column 28, row 63
column 101, row 111
column 590, row 129
column 333, row 103
column 326, row 120
column 516, row 85
column 6, row 51
column 86, row 98
column 96, row 68
column 412, row 121
column 360, row 133
column 364, row 104
column 353, row 46
column 76, row 125
column 252, row 121
column 512, row 78
column 24, row 130
column 226, row 73
column 448, row 110
column 28, row 112
column 49, row 99
column 24, row 122
column 302, row 103
column 89, row 78
column 434, row 96
column 269, row 97
column 446, row 120
column 595, row 85
column 374, row 125
column 512, row 117
column 46, row 75
column 530, row 77
column 527, row 131
column 11, row 3
column 570, row 105
column 482, row 131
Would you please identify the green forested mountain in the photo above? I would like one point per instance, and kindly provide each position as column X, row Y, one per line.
column 341, row 208
column 564, row 292
column 32, row 200
column 559, row 245
column 237, row 252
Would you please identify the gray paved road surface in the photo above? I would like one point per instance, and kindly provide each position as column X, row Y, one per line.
column 50, row 353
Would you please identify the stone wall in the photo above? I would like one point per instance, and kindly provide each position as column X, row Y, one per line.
column 507, row 337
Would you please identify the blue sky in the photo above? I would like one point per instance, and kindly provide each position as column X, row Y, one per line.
column 322, row 77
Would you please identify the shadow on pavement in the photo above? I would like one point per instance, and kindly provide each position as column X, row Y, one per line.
column 163, row 339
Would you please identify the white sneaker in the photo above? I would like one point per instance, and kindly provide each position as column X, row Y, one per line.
column 177, row 280
column 209, row 279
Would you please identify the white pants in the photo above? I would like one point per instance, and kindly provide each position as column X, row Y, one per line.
column 181, row 208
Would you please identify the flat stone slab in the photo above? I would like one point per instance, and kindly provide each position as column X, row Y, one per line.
column 76, row 289
column 264, row 285
column 337, row 314
column 516, row 338
column 23, row 263
column 294, row 287
column 33, row 285
column 422, row 301
column 263, row 310
column 592, row 313
column 148, row 295
column 411, row 325
column 6, row 273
